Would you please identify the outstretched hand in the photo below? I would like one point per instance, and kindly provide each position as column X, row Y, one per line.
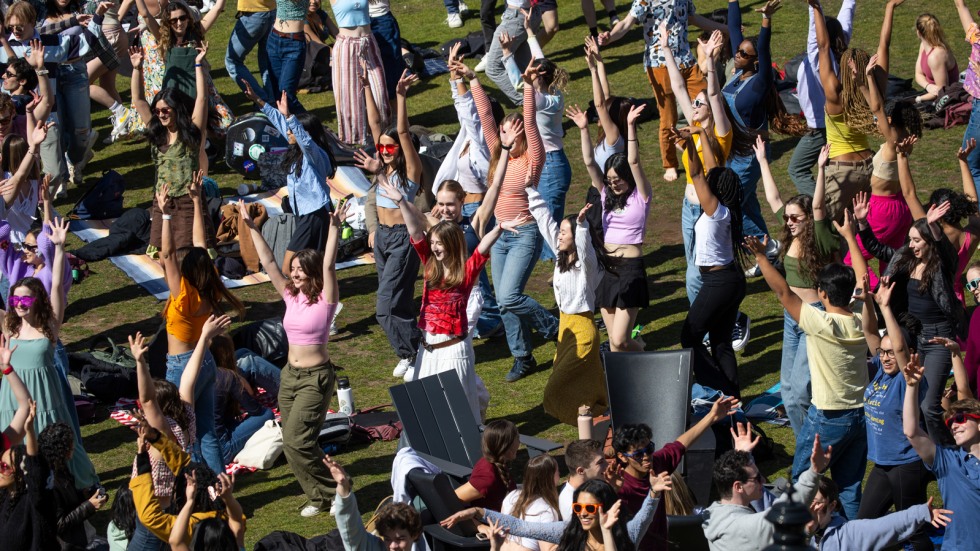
column 939, row 517
column 964, row 152
column 743, row 437
column 577, row 116
column 137, row 345
column 913, row 371
column 936, row 212
column 59, row 232
column 367, row 162
column 820, row 459
column 582, row 214
column 405, row 82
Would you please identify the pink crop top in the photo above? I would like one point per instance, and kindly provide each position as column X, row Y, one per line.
column 625, row 226
column 307, row 324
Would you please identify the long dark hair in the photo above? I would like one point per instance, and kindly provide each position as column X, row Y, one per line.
column 124, row 510
column 195, row 30
column 213, row 534
column 56, row 443
column 187, row 132
column 293, row 158
column 52, row 8
column 565, row 260
column 198, row 269
column 620, row 163
column 223, row 350
column 202, row 500
column 960, row 206
column 168, row 396
column 907, row 261
column 398, row 164
column 574, row 537
column 619, row 110
column 725, row 185
column 498, row 436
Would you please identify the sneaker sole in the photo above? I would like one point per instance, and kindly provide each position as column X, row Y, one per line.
column 745, row 341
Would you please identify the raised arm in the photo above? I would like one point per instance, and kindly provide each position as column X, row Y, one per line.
column 581, row 120
column 708, row 200
column 413, row 164
column 147, row 391
column 966, row 18
column 846, row 230
column 195, row 190
column 59, row 233
column 374, row 117
column 772, row 192
column 208, row 20
column 17, row 428
column 535, row 147
column 546, row 222
column 266, row 256
column 45, row 94
column 213, row 327
column 200, row 114
column 171, row 270
column 869, row 320
column 920, row 441
column 331, row 291
column 599, row 97
column 723, row 125
column 181, row 526
column 790, row 301
column 720, row 410
column 136, row 85
column 820, row 190
column 150, row 19
column 885, row 38
column 485, row 211
column 969, row 188
column 828, row 77
column 633, row 154
column 13, row 186
column 876, row 99
column 908, row 184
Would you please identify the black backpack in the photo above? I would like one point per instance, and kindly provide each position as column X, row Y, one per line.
column 316, row 75
column 267, row 338
column 107, row 373
column 102, row 201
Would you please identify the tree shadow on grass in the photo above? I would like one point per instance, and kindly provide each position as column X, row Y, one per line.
column 110, row 439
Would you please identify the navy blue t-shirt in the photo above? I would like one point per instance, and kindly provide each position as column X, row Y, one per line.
column 958, row 474
column 883, row 401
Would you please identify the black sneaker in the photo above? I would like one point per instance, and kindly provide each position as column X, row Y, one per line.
column 740, row 332
column 522, row 366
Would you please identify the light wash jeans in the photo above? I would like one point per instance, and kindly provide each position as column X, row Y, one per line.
column 490, row 313
column 512, row 23
column 749, row 172
column 692, row 278
column 556, row 176
column 258, row 371
column 845, row 431
column 511, row 260
column 74, row 109
column 794, row 372
column 973, row 131
column 251, row 29
column 206, row 448
column 232, row 442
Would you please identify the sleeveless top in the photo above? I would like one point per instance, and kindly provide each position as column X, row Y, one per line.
column 952, row 73
column 291, row 10
column 842, row 138
column 175, row 167
column 408, row 191
column 351, row 13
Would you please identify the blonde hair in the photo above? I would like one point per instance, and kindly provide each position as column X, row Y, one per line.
column 931, row 31
column 857, row 113
column 513, row 118
column 678, row 501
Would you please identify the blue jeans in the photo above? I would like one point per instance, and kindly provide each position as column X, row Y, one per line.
column 490, row 313
column 233, row 442
column 511, row 261
column 389, row 36
column 258, row 371
column 144, row 540
column 794, row 372
column 74, row 109
column 556, row 176
column 251, row 29
column 206, row 448
column 973, row 131
column 692, row 278
column 452, row 6
column 286, row 59
column 749, row 172
column 845, row 431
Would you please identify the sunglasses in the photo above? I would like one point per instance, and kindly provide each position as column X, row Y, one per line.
column 25, row 246
column 745, row 55
column 17, row 28
column 22, row 302
column 698, row 103
column 973, row 284
column 162, row 111
column 961, row 418
column 588, row 508
column 181, row 19
column 8, row 74
column 883, row 352
column 636, row 454
column 611, row 181
column 794, row 218
column 388, row 148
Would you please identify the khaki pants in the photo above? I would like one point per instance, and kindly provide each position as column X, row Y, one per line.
column 304, row 395
column 843, row 180
column 667, row 104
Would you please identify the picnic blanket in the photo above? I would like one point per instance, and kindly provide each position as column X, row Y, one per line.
column 149, row 275
column 768, row 407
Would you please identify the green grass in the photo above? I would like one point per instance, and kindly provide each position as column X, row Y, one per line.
column 109, row 303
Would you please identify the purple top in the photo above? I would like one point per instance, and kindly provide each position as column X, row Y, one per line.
column 14, row 267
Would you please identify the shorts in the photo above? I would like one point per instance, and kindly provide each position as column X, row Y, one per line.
column 547, row 5
column 311, row 231
column 627, row 288
column 884, row 170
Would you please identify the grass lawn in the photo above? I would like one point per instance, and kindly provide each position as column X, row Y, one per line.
column 109, row 303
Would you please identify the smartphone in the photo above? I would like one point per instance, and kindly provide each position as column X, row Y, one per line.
column 102, row 492
column 481, row 536
column 343, row 201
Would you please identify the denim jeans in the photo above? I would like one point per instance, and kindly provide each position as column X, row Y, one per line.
column 74, row 109
column 452, row 6
column 206, row 448
column 490, row 313
column 805, row 155
column 511, row 261
column 973, row 131
column 144, row 540
column 251, row 29
column 512, row 23
column 232, row 442
column 692, row 278
column 845, row 431
column 556, row 176
column 258, row 371
column 389, row 36
column 748, row 170
column 286, row 59
column 794, row 372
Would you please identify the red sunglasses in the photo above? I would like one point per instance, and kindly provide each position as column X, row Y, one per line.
column 961, row 418
column 589, row 508
column 388, row 148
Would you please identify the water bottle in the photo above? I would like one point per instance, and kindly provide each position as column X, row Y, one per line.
column 584, row 423
column 345, row 396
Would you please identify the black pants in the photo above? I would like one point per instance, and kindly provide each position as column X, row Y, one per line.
column 488, row 21
column 398, row 268
column 938, row 363
column 713, row 312
column 900, row 485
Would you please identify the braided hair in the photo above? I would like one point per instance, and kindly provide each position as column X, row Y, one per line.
column 498, row 438
column 726, row 186
column 857, row 113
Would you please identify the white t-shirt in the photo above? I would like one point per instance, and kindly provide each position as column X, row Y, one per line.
column 713, row 238
column 537, row 511
column 565, row 500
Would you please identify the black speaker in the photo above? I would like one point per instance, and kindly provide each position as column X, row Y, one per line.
column 249, row 137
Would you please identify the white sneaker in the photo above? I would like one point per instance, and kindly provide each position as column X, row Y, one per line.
column 333, row 322
column 310, row 511
column 403, row 365
column 120, row 123
column 463, row 8
column 754, row 271
column 740, row 332
column 454, row 21
column 481, row 66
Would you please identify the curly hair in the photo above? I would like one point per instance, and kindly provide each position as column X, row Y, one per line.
column 905, row 118
column 960, row 206
column 124, row 510
column 56, row 442
column 18, row 455
column 202, row 500
column 857, row 113
column 311, row 262
column 43, row 314
column 630, row 436
column 498, row 437
column 399, row 516
column 810, row 258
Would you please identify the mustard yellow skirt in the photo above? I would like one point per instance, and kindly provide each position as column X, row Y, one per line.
column 577, row 377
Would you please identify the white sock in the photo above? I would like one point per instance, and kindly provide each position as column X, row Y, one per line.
column 117, row 108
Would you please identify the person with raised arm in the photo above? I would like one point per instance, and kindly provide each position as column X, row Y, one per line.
column 311, row 295
column 972, row 85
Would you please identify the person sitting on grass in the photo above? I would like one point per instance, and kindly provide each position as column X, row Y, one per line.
column 398, row 524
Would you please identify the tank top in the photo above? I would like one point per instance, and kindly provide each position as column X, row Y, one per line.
column 842, row 138
column 351, row 13
column 408, row 191
column 952, row 73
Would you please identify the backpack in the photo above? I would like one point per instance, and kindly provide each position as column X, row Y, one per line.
column 102, row 201
column 108, row 374
column 267, row 338
column 316, row 75
column 336, row 429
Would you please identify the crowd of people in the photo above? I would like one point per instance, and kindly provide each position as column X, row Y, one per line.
column 866, row 353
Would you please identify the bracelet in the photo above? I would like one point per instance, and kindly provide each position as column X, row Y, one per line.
column 41, row 72
column 167, row 217
column 633, row 140
column 199, row 65
column 9, row 370
column 505, row 148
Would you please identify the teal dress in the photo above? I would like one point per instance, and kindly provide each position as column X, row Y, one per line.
column 34, row 361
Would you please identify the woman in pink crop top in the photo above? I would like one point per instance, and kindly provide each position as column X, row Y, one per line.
column 514, row 255
column 626, row 194
column 449, row 279
column 311, row 295
column 937, row 65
